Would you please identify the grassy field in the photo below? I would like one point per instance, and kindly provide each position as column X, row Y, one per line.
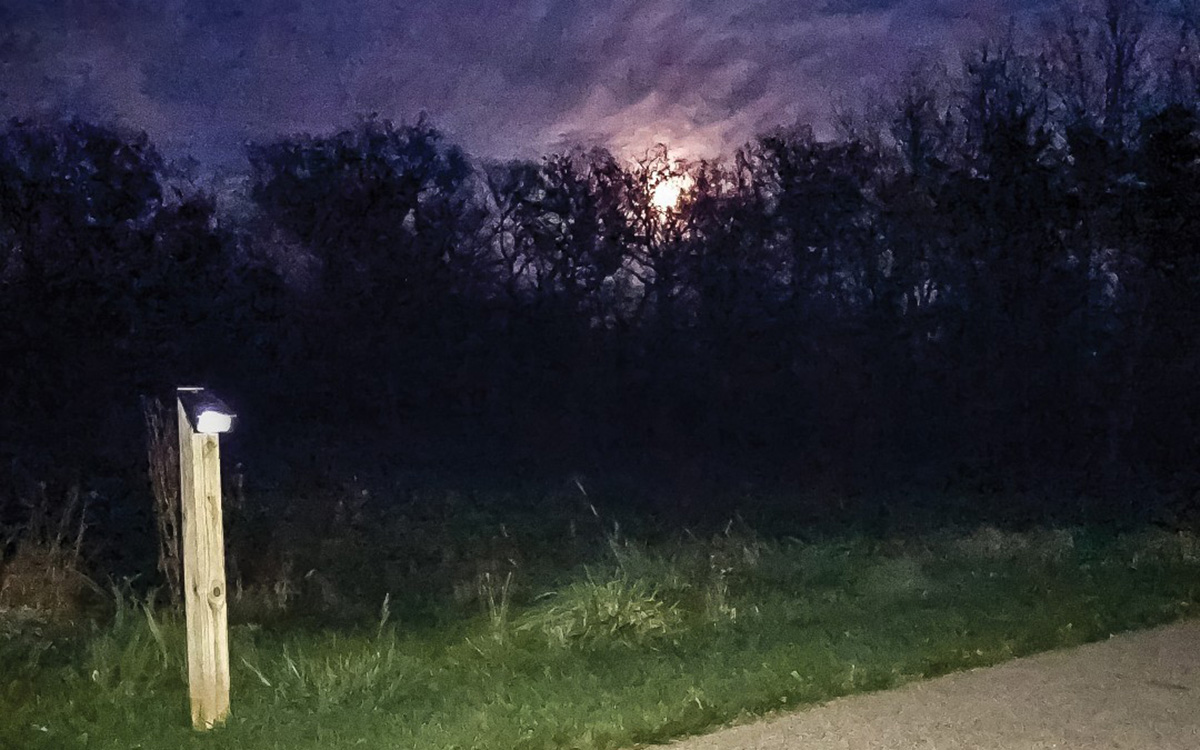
column 643, row 644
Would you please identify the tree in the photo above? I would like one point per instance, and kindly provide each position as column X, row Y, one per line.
column 394, row 218
column 382, row 207
column 1099, row 63
column 106, row 289
column 562, row 229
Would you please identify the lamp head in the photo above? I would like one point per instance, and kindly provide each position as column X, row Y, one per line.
column 206, row 413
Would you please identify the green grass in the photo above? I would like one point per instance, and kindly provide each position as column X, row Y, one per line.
column 645, row 644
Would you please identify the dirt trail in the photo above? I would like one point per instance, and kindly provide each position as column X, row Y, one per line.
column 1139, row 691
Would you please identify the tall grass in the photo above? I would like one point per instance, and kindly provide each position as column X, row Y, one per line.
column 645, row 643
column 496, row 595
column 139, row 651
column 591, row 613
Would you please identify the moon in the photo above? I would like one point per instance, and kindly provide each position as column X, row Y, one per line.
column 667, row 193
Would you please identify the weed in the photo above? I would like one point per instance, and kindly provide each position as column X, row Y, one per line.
column 385, row 614
column 339, row 674
column 732, row 554
column 670, row 572
column 717, row 607
column 333, row 672
column 495, row 594
column 591, row 613
column 137, row 650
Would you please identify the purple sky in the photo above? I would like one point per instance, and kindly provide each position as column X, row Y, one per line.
column 502, row 79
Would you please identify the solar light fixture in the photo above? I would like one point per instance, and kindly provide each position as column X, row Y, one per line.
column 207, row 414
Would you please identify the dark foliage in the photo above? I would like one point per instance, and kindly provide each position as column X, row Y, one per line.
column 995, row 291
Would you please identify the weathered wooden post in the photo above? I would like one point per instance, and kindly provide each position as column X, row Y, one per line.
column 202, row 417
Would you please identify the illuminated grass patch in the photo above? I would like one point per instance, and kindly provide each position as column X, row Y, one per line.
column 640, row 647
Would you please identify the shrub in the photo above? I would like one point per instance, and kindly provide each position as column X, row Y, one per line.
column 45, row 574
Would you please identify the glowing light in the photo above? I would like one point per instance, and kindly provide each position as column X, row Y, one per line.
column 212, row 422
column 667, row 193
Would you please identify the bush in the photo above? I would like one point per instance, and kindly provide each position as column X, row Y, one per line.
column 45, row 574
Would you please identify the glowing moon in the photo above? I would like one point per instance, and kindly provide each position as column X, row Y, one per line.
column 666, row 194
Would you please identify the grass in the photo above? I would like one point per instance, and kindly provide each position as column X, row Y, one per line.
column 648, row 642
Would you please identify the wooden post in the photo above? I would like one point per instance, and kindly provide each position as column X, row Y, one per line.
column 204, row 574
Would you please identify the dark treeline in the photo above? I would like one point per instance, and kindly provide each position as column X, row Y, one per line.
column 991, row 284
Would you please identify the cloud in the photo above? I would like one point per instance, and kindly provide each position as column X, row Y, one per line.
column 503, row 79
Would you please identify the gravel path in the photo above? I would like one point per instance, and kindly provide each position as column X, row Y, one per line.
column 1139, row 691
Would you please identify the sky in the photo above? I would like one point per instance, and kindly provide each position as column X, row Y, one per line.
column 502, row 79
